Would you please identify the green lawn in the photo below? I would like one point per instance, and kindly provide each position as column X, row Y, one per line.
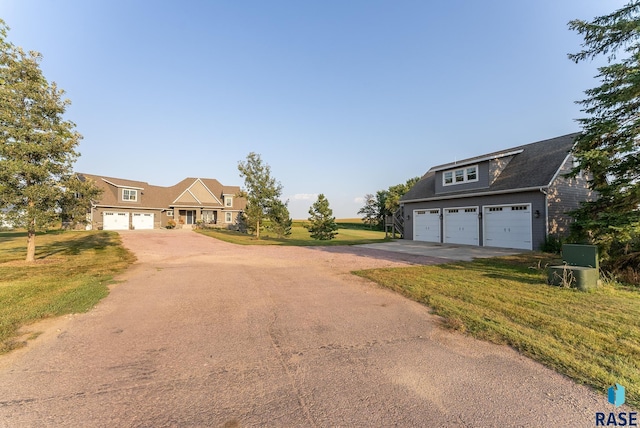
column 71, row 274
column 593, row 337
column 350, row 232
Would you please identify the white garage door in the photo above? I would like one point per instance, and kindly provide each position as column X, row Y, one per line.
column 142, row 221
column 426, row 225
column 508, row 226
column 461, row 226
column 115, row 220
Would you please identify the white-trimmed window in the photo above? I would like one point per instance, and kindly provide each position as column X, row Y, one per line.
column 228, row 217
column 461, row 175
column 472, row 173
column 169, row 213
column 129, row 195
column 228, row 201
column 447, row 178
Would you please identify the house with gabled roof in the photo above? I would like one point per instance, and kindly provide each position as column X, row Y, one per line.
column 127, row 204
column 513, row 198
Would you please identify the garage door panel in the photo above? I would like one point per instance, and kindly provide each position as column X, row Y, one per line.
column 114, row 220
column 142, row 221
column 508, row 226
column 461, row 226
column 426, row 225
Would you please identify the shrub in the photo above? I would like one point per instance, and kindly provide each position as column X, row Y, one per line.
column 552, row 244
column 627, row 268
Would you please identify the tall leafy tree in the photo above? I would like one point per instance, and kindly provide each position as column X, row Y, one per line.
column 609, row 146
column 76, row 199
column 394, row 193
column 261, row 190
column 369, row 211
column 323, row 224
column 385, row 203
column 37, row 145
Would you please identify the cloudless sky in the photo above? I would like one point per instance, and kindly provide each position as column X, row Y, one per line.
column 338, row 97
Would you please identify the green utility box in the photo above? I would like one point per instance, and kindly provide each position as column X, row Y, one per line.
column 582, row 278
column 581, row 255
column 580, row 270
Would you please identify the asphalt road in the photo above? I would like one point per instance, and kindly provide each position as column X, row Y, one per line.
column 202, row 333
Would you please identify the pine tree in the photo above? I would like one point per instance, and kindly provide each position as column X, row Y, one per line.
column 323, row 225
column 280, row 221
column 608, row 148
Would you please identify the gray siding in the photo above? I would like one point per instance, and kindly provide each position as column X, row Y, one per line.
column 565, row 195
column 482, row 183
column 535, row 198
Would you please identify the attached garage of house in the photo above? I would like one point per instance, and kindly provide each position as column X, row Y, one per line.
column 508, row 226
column 461, row 226
column 142, row 221
column 426, row 225
column 115, row 220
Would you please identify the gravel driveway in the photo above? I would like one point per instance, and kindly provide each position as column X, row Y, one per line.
column 203, row 333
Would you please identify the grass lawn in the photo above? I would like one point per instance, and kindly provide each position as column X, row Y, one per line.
column 593, row 337
column 71, row 274
column 350, row 232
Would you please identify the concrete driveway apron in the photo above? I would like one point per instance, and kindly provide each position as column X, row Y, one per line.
column 203, row 333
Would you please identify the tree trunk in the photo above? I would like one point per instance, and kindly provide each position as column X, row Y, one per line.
column 258, row 229
column 31, row 245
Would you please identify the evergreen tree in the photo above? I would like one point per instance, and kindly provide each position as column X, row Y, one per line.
column 608, row 148
column 323, row 225
column 37, row 146
column 279, row 218
column 262, row 191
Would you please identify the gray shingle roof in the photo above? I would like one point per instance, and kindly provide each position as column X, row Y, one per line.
column 535, row 166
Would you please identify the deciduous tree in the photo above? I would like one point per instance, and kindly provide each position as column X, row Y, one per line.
column 394, row 193
column 261, row 190
column 370, row 210
column 37, row 145
column 384, row 203
column 75, row 201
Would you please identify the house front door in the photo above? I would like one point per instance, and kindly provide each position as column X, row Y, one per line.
column 187, row 217
column 191, row 217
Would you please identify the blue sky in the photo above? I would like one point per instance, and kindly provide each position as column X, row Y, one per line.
column 339, row 97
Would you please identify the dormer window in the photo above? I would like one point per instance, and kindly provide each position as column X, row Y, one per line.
column 461, row 175
column 472, row 173
column 228, row 201
column 129, row 195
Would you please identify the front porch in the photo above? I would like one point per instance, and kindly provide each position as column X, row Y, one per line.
column 188, row 218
